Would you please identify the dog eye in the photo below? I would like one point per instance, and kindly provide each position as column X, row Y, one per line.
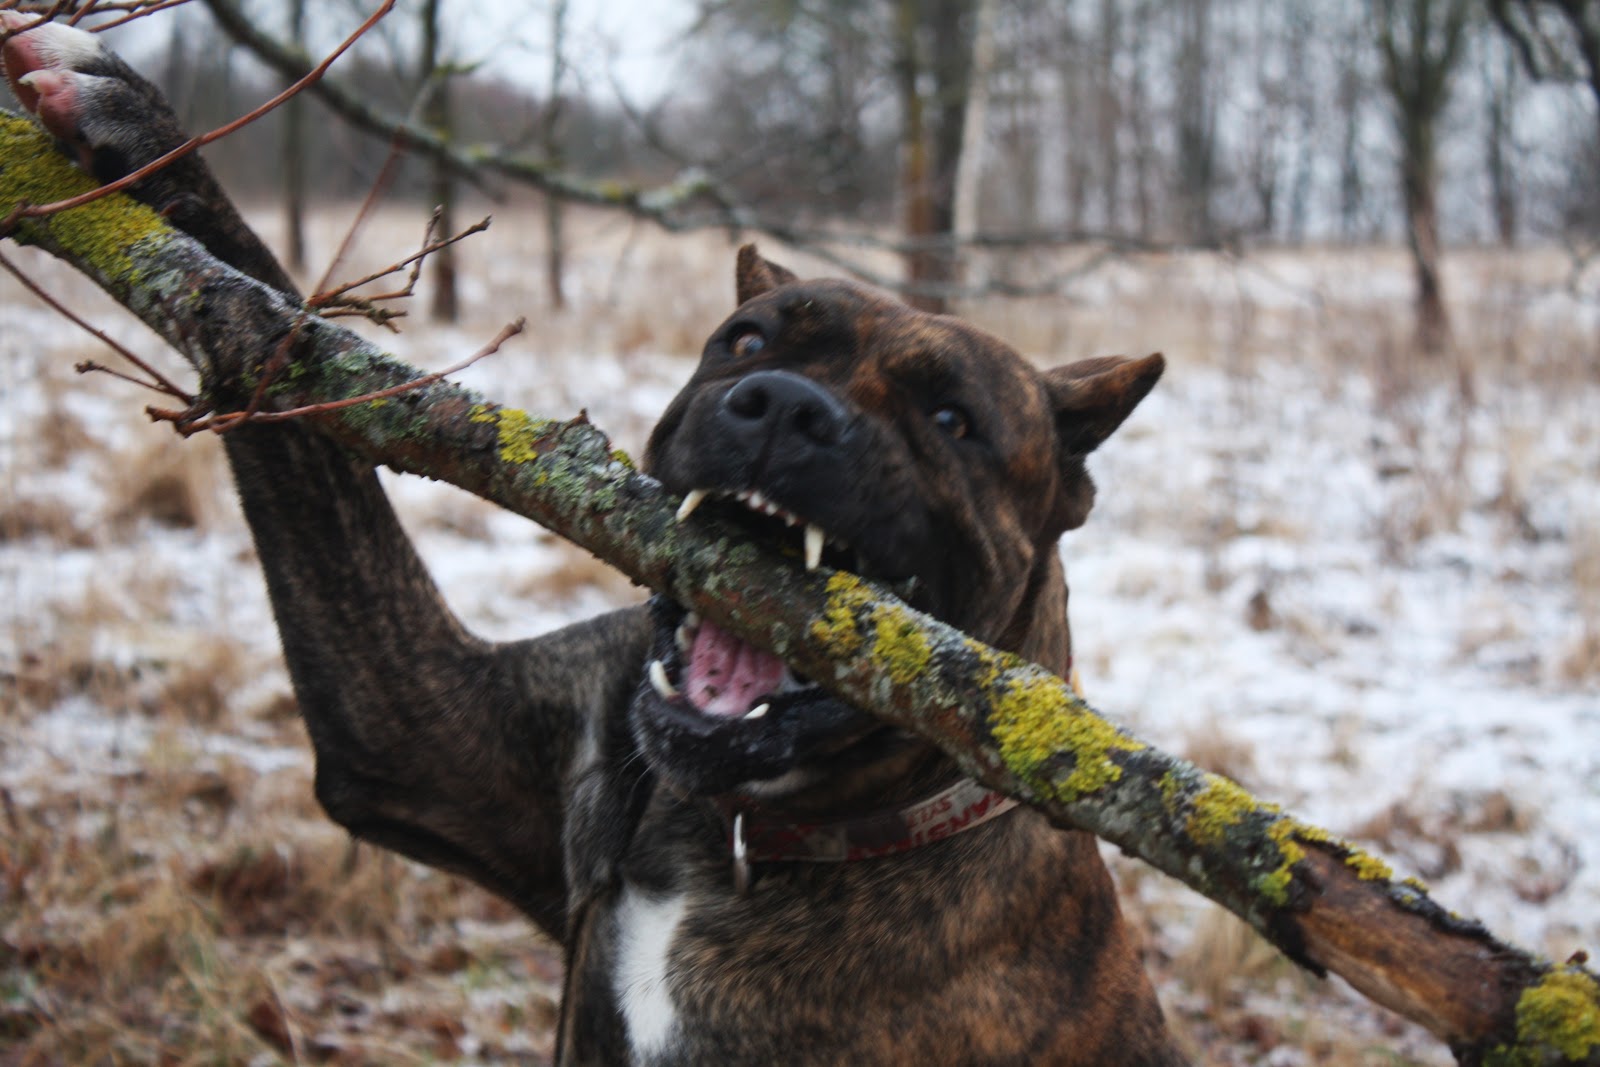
column 747, row 343
column 952, row 421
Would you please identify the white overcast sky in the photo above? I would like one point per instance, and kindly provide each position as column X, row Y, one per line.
column 632, row 38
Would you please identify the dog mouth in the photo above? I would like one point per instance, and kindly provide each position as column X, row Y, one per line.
column 712, row 681
column 721, row 676
column 714, row 712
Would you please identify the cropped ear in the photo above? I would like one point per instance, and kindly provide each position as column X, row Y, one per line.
column 755, row 275
column 1092, row 396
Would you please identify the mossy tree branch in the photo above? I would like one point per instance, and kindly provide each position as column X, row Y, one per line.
column 1009, row 723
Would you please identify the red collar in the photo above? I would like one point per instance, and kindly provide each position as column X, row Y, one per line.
column 963, row 806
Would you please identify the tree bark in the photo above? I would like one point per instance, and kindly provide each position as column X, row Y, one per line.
column 1007, row 722
column 974, row 125
column 1420, row 43
column 916, row 178
column 438, row 117
column 555, row 250
column 294, row 155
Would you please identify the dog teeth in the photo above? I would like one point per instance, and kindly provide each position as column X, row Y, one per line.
column 685, row 638
column 691, row 500
column 757, row 712
column 815, row 539
column 660, row 682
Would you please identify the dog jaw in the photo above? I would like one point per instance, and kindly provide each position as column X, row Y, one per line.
column 759, row 726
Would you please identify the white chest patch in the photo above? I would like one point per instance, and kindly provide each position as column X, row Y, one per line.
column 646, row 928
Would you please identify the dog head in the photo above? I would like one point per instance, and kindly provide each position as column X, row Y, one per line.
column 906, row 447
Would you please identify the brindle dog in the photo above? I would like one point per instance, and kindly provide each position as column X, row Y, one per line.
column 879, row 909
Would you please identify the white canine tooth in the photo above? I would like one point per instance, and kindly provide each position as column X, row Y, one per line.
column 814, row 541
column 691, row 500
column 685, row 639
column 692, row 620
column 758, row 711
column 660, row 682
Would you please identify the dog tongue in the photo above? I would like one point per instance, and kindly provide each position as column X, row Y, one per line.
column 726, row 676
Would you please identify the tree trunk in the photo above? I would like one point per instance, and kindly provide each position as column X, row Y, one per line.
column 1420, row 42
column 916, row 185
column 1350, row 94
column 932, row 116
column 294, row 155
column 1502, row 87
column 1196, row 177
column 1420, row 187
column 437, row 116
column 1108, row 113
column 555, row 249
column 1006, row 722
column 974, row 126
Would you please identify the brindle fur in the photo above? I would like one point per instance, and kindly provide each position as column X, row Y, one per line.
column 516, row 765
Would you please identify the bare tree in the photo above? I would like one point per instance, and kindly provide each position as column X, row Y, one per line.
column 1421, row 43
column 550, row 136
column 1196, row 164
column 294, row 154
column 974, row 127
column 1500, row 80
column 1349, row 92
column 933, row 62
column 438, row 116
column 1558, row 39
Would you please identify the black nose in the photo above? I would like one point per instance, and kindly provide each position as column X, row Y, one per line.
column 777, row 405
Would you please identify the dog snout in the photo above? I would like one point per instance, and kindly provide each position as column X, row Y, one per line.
column 780, row 405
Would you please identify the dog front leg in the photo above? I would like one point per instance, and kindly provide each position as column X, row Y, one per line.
column 429, row 741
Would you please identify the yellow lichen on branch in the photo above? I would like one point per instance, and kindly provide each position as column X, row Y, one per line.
column 1561, row 1013
column 100, row 234
column 1036, row 720
column 520, row 433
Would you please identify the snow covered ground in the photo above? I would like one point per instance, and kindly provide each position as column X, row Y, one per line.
column 1367, row 591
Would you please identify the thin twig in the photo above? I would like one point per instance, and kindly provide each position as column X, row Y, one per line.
column 356, row 308
column 89, row 366
column 324, row 296
column 386, row 173
column 160, row 383
column 136, row 13
column 415, row 259
column 93, row 7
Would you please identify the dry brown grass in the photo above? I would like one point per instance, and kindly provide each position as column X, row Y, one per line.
column 171, row 482
column 1580, row 661
column 22, row 518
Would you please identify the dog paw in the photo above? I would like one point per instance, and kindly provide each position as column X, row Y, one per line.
column 105, row 116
